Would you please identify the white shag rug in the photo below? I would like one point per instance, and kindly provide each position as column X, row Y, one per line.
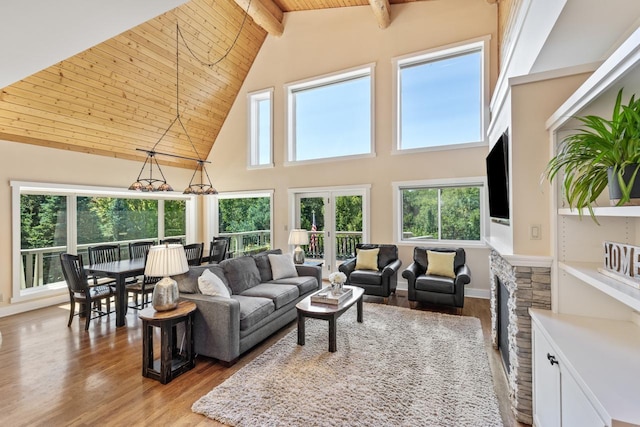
column 400, row 367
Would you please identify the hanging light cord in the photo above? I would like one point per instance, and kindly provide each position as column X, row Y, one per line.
column 212, row 64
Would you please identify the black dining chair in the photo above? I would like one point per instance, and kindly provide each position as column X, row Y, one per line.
column 194, row 253
column 218, row 249
column 142, row 288
column 138, row 250
column 79, row 290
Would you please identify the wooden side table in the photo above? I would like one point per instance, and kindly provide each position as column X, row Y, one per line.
column 171, row 363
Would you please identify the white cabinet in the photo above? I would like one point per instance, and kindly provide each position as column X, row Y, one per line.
column 546, row 383
column 586, row 371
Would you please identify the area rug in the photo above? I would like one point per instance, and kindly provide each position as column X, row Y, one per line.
column 400, row 367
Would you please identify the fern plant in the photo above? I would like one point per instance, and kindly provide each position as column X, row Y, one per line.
column 600, row 149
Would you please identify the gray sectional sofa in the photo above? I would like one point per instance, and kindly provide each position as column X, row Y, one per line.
column 225, row 328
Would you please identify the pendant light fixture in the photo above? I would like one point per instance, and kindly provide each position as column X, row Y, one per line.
column 200, row 188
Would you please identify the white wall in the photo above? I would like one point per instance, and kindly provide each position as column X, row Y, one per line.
column 324, row 41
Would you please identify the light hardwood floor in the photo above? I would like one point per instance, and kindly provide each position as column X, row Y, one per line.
column 51, row 375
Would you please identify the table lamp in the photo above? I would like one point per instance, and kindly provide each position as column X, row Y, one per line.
column 164, row 261
column 298, row 237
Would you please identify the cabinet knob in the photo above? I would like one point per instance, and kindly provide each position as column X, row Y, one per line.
column 552, row 360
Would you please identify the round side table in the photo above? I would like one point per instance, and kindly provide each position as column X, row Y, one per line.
column 171, row 362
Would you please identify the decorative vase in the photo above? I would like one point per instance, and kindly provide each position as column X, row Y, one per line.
column 336, row 288
column 165, row 295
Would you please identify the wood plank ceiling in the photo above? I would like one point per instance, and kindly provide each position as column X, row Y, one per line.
column 121, row 94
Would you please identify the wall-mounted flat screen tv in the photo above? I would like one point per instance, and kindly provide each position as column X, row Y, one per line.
column 498, row 179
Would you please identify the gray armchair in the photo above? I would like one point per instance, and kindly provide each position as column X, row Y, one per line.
column 381, row 282
column 437, row 289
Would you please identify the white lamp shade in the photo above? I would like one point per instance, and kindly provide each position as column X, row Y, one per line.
column 166, row 260
column 298, row 237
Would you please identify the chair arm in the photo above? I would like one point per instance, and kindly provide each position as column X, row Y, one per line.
column 391, row 268
column 463, row 275
column 216, row 326
column 310, row 270
column 348, row 266
column 411, row 272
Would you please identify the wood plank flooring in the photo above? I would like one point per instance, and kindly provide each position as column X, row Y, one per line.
column 51, row 375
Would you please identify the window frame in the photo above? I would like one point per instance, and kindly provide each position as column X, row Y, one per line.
column 319, row 81
column 72, row 192
column 253, row 140
column 479, row 182
column 435, row 54
column 213, row 225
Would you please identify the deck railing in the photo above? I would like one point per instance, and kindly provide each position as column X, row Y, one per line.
column 41, row 266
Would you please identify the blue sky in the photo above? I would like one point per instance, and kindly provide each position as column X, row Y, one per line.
column 440, row 105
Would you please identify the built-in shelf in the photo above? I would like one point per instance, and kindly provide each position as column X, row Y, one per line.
column 588, row 273
column 617, row 211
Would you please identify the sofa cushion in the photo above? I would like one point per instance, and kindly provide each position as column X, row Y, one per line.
column 441, row 263
column 188, row 282
column 263, row 264
column 305, row 284
column 253, row 310
column 242, row 273
column 280, row 294
column 210, row 284
column 387, row 254
column 282, row 266
column 366, row 277
column 367, row 259
column 439, row 284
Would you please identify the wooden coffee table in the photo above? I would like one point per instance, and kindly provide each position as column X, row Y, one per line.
column 327, row 312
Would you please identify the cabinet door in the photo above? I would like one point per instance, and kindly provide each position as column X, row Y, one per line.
column 546, row 384
column 576, row 409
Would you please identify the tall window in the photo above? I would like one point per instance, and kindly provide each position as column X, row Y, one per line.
column 245, row 218
column 260, row 128
column 331, row 116
column 51, row 220
column 440, row 212
column 440, row 97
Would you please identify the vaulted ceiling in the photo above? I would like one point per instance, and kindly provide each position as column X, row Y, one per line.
column 120, row 95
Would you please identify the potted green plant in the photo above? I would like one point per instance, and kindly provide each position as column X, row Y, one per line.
column 602, row 153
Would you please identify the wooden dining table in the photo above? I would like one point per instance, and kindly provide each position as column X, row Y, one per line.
column 120, row 271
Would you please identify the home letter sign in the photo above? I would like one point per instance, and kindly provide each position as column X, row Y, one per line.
column 622, row 262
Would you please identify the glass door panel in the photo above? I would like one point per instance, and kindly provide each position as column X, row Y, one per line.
column 311, row 217
column 349, row 226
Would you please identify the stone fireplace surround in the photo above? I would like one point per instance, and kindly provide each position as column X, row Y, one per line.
column 528, row 282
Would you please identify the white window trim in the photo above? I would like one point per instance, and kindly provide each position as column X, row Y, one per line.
column 252, row 128
column 26, row 187
column 289, row 125
column 439, row 183
column 213, row 225
column 442, row 52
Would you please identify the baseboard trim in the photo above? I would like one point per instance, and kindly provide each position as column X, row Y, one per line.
column 33, row 305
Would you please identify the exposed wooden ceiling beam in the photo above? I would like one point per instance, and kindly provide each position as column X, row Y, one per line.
column 381, row 12
column 266, row 14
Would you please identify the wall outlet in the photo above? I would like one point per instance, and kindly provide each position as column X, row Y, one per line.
column 535, row 232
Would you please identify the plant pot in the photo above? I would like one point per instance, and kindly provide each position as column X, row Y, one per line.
column 615, row 193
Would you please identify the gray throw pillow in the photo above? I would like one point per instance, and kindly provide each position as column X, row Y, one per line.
column 242, row 273
column 188, row 282
column 263, row 264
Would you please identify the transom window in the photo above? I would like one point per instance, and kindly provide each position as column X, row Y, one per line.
column 440, row 97
column 260, row 128
column 439, row 211
column 331, row 116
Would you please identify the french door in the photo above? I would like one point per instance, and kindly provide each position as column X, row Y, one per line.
column 337, row 219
